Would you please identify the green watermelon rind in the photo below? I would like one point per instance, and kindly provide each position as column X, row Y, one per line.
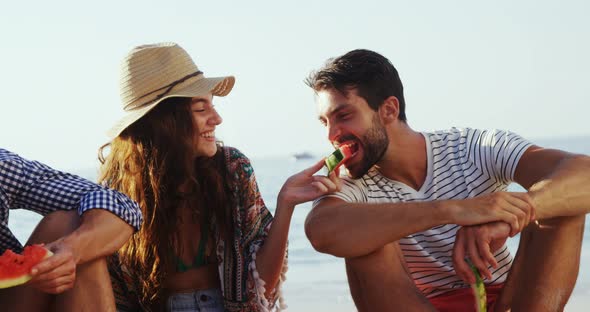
column 479, row 290
column 333, row 160
column 11, row 282
column 15, row 281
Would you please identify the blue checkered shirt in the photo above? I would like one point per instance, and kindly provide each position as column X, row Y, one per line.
column 36, row 187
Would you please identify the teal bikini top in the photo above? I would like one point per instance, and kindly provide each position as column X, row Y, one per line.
column 200, row 259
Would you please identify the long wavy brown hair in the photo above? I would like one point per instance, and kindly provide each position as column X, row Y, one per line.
column 153, row 162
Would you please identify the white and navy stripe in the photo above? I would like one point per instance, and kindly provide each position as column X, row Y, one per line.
column 36, row 187
column 462, row 163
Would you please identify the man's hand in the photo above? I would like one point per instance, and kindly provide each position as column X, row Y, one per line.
column 478, row 243
column 514, row 208
column 57, row 273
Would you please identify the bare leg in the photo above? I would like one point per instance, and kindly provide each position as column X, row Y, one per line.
column 23, row 298
column 92, row 290
column 546, row 266
column 380, row 281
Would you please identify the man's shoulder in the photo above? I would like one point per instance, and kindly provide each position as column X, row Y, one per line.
column 7, row 155
column 466, row 132
column 363, row 181
column 450, row 134
column 8, row 158
column 456, row 135
column 352, row 190
column 350, row 181
column 13, row 161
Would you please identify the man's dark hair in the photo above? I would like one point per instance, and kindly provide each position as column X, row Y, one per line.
column 369, row 72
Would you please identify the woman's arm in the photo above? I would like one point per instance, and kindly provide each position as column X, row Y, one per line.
column 299, row 188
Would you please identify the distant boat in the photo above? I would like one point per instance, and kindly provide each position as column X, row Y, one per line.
column 302, row 156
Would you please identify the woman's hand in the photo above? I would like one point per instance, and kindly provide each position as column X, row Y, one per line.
column 305, row 186
column 478, row 243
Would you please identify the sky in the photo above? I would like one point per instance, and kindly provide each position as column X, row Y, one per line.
column 516, row 65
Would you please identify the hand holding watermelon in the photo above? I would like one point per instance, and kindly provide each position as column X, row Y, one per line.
column 306, row 186
column 479, row 242
column 15, row 269
column 57, row 273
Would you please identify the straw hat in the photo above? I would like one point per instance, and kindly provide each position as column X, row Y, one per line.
column 155, row 72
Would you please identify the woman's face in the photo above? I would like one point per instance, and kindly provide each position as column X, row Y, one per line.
column 205, row 119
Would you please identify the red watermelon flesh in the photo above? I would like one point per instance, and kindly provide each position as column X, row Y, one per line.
column 15, row 269
column 338, row 157
column 346, row 150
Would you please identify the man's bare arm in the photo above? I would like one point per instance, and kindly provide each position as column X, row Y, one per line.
column 357, row 229
column 99, row 234
column 558, row 182
column 350, row 230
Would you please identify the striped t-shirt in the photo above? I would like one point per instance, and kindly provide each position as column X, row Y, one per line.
column 462, row 163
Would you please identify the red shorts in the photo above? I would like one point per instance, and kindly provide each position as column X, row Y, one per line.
column 462, row 300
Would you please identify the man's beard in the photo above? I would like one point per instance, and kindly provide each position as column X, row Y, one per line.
column 374, row 143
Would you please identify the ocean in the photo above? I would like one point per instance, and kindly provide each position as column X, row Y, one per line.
column 315, row 281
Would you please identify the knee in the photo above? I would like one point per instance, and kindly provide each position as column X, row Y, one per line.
column 386, row 258
column 97, row 267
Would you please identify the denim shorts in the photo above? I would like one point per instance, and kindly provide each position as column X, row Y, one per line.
column 208, row 300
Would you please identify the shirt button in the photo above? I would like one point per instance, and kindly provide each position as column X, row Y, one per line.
column 204, row 298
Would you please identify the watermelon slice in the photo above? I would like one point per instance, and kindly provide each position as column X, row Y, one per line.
column 337, row 158
column 15, row 269
column 479, row 290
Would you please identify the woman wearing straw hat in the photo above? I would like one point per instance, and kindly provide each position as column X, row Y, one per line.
column 207, row 243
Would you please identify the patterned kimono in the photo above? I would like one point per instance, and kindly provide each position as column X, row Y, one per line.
column 243, row 289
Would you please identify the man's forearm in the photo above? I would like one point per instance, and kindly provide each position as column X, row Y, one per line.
column 352, row 230
column 100, row 233
column 565, row 191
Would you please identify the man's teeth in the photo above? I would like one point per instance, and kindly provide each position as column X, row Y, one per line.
column 350, row 145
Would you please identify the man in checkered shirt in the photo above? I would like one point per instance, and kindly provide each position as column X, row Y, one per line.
column 83, row 223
